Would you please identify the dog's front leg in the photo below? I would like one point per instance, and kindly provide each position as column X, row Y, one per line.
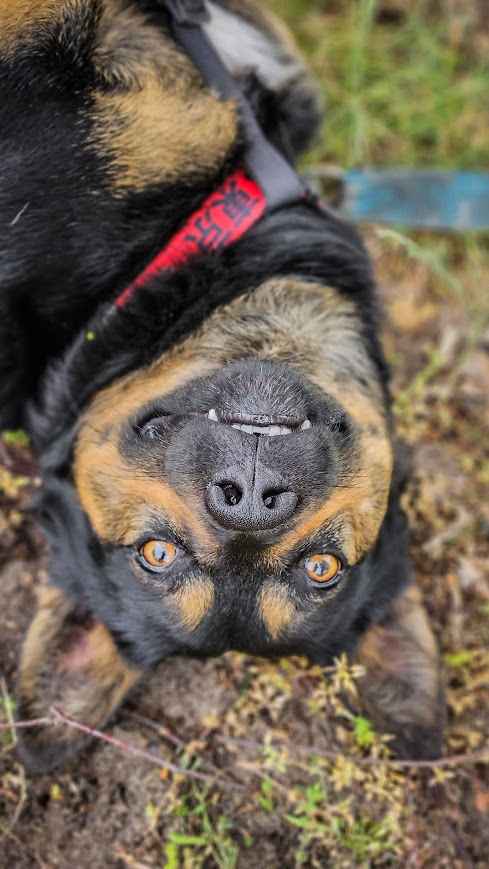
column 69, row 663
column 402, row 689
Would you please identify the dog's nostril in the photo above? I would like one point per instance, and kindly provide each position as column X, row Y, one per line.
column 270, row 499
column 232, row 495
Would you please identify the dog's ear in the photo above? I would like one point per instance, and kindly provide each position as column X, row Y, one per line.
column 69, row 663
column 260, row 52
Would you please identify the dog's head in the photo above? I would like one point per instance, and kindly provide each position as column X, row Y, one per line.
column 232, row 490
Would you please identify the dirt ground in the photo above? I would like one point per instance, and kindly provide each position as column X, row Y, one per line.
column 262, row 727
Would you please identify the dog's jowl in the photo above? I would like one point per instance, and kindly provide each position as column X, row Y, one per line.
column 214, row 435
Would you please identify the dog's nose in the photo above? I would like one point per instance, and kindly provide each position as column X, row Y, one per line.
column 258, row 503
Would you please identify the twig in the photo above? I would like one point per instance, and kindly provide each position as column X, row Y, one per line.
column 163, row 731
column 160, row 729
column 60, row 717
column 34, row 722
column 481, row 756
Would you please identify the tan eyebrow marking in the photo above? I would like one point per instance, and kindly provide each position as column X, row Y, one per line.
column 193, row 602
column 276, row 609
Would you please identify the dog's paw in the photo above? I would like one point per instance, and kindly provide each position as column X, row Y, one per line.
column 402, row 688
column 69, row 665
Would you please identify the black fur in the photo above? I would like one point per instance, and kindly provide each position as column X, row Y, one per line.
column 69, row 246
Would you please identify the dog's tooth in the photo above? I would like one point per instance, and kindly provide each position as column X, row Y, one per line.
column 249, row 429
column 213, row 415
column 269, row 430
column 305, row 425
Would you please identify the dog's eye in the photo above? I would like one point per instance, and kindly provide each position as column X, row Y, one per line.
column 323, row 569
column 157, row 555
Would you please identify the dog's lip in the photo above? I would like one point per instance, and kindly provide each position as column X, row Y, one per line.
column 261, row 424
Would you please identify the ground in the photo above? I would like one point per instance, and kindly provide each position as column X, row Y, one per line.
column 293, row 776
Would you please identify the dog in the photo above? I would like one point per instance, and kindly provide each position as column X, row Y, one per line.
column 216, row 445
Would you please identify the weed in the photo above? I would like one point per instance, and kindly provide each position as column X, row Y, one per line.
column 200, row 838
column 17, row 438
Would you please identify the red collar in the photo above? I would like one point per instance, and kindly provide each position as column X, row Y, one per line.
column 225, row 216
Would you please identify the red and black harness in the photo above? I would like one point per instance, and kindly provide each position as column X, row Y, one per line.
column 265, row 182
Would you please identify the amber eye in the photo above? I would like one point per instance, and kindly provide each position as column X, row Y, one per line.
column 323, row 568
column 158, row 554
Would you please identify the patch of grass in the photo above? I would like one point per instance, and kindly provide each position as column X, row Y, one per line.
column 402, row 91
column 202, row 835
column 397, row 94
column 363, row 732
column 17, row 438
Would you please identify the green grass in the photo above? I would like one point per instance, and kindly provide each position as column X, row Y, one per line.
column 400, row 93
column 412, row 92
column 199, row 838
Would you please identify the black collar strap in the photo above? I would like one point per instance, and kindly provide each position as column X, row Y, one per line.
column 278, row 180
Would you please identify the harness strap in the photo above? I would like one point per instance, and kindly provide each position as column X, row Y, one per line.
column 225, row 216
column 280, row 183
column 241, row 201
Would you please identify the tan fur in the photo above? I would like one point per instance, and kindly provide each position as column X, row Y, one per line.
column 118, row 499
column 121, row 502
column 115, row 404
column 155, row 136
column 307, row 325
column 159, row 124
column 53, row 607
column 22, row 17
column 276, row 609
column 360, row 510
column 403, row 677
column 154, row 120
column 193, row 601
column 87, row 682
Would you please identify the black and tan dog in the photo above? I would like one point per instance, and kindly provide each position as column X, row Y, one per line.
column 217, row 457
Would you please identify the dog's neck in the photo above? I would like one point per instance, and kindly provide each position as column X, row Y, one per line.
column 295, row 241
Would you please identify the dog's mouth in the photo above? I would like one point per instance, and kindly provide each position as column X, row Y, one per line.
column 261, row 424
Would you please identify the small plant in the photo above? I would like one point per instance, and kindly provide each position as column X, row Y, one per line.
column 201, row 838
column 17, row 438
column 363, row 732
